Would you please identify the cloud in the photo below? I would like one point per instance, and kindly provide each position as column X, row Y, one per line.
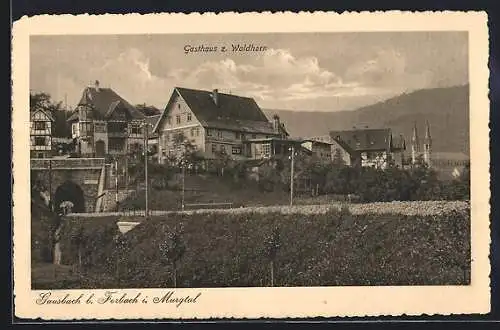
column 272, row 77
column 389, row 70
column 276, row 74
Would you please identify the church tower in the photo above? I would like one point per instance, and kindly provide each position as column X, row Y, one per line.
column 415, row 145
column 427, row 144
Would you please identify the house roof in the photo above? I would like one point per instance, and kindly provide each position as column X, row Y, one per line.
column 317, row 141
column 151, row 121
column 104, row 101
column 48, row 114
column 232, row 112
column 369, row 139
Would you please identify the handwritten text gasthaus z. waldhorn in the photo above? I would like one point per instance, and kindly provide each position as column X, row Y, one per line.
column 234, row 48
column 115, row 298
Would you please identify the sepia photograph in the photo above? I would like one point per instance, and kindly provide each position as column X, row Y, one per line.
column 248, row 160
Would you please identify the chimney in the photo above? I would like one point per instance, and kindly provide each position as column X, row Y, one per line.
column 276, row 123
column 97, row 85
column 215, row 96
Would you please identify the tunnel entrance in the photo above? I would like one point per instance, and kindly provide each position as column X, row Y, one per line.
column 71, row 192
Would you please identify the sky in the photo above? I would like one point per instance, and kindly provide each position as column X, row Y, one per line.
column 297, row 71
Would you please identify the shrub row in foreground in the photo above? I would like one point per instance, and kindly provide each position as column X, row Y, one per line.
column 333, row 248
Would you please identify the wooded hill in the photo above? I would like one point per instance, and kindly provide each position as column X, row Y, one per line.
column 446, row 109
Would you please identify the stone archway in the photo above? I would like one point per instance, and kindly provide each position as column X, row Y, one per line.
column 71, row 192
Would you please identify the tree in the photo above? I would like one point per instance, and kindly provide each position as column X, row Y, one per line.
column 337, row 158
column 187, row 157
column 222, row 161
column 122, row 248
column 172, row 249
column 272, row 244
column 78, row 240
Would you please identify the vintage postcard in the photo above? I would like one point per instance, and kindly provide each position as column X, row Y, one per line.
column 251, row 165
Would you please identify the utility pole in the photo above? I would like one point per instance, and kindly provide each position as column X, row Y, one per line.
column 51, row 204
column 146, row 211
column 183, row 184
column 116, row 183
column 291, row 174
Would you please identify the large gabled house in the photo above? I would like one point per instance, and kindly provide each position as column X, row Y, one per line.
column 104, row 123
column 40, row 133
column 217, row 123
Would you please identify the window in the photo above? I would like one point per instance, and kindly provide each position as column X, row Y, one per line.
column 214, row 148
column 116, row 144
column 192, row 132
column 39, row 141
column 209, row 132
column 135, row 129
column 117, row 127
column 254, row 136
column 243, row 136
column 266, row 150
column 169, row 120
column 197, row 131
column 236, row 150
column 178, row 119
column 39, row 125
column 86, row 128
column 99, row 127
column 189, row 117
column 237, row 135
column 178, row 105
column 219, row 134
column 222, row 148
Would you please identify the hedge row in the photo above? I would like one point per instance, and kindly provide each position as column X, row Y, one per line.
column 334, row 248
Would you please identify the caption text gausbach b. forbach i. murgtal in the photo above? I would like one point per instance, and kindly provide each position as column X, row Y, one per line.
column 115, row 298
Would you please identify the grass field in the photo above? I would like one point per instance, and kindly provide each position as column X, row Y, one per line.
column 411, row 243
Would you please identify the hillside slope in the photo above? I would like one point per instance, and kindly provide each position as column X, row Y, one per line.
column 446, row 109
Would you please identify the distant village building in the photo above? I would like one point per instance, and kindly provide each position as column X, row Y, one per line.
column 321, row 150
column 40, row 133
column 104, row 123
column 337, row 152
column 216, row 123
column 367, row 147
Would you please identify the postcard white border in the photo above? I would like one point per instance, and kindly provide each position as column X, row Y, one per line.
column 265, row 302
